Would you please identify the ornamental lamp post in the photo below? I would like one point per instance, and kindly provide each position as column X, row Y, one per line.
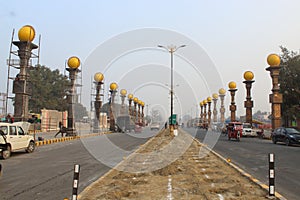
column 275, row 98
column 204, row 113
column 139, row 111
column 123, row 93
column 171, row 49
column 113, row 90
column 73, row 63
column 130, row 98
column 135, row 101
column 222, row 92
column 215, row 112
column 201, row 111
column 98, row 78
column 143, row 105
column 209, row 111
column 21, row 86
column 248, row 104
column 232, row 107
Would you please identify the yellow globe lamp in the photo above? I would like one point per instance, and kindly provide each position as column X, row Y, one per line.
column 123, row 92
column 208, row 99
column 273, row 60
column 140, row 102
column 143, row 104
column 222, row 91
column 98, row 77
column 232, row 85
column 215, row 95
column 204, row 102
column 26, row 33
column 113, row 86
column 135, row 99
column 73, row 62
column 130, row 96
column 248, row 76
column 201, row 103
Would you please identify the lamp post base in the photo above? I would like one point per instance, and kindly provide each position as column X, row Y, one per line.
column 71, row 132
column 171, row 127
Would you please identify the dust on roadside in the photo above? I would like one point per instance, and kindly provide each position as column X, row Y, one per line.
column 164, row 171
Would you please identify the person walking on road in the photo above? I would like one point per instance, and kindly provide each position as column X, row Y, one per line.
column 61, row 129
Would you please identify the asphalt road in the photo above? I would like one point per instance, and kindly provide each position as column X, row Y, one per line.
column 251, row 155
column 47, row 173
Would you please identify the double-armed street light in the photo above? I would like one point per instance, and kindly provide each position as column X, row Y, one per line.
column 171, row 49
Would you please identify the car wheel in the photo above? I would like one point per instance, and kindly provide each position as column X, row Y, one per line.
column 274, row 140
column 287, row 142
column 6, row 153
column 30, row 147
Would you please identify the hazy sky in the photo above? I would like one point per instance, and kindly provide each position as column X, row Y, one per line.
column 224, row 39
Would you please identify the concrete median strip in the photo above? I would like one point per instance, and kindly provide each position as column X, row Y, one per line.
column 63, row 139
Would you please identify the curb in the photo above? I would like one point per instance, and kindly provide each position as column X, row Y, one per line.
column 63, row 139
column 242, row 172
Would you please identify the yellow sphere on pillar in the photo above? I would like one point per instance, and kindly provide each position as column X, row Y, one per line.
column 273, row 60
column 26, row 33
column 113, row 86
column 222, row 91
column 215, row 95
column 208, row 99
column 143, row 104
column 123, row 92
column 73, row 62
column 98, row 77
column 201, row 103
column 130, row 96
column 140, row 102
column 135, row 99
column 232, row 85
column 248, row 75
column 204, row 102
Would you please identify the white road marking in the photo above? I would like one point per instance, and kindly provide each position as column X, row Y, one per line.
column 220, row 197
column 169, row 197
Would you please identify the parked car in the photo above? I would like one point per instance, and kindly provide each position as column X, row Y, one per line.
column 248, row 130
column 14, row 138
column 287, row 135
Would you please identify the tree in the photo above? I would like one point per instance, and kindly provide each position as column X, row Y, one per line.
column 289, row 84
column 48, row 89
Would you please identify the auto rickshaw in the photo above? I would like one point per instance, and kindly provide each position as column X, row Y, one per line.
column 234, row 130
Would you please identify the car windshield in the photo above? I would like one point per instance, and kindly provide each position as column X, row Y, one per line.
column 292, row 131
column 247, row 125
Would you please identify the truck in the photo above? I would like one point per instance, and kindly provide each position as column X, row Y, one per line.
column 124, row 123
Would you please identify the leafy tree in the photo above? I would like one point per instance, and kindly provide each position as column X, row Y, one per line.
column 290, row 84
column 48, row 89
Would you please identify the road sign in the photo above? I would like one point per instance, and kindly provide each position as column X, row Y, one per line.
column 172, row 120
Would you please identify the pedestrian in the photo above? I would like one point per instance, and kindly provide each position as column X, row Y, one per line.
column 61, row 129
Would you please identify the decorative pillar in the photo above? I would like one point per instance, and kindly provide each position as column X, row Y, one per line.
column 201, row 112
column 113, row 90
column 98, row 77
column 143, row 105
column 222, row 92
column 73, row 63
column 130, row 98
column 21, row 86
column 139, row 111
column 209, row 111
column 204, row 113
column 248, row 104
column 215, row 112
column 232, row 107
column 275, row 98
column 123, row 93
column 135, row 101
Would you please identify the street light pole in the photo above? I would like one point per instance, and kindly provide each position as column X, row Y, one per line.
column 171, row 49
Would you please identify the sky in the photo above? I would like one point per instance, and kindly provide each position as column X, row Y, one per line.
column 119, row 38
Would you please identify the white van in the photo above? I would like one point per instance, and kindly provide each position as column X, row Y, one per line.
column 13, row 137
column 248, row 131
